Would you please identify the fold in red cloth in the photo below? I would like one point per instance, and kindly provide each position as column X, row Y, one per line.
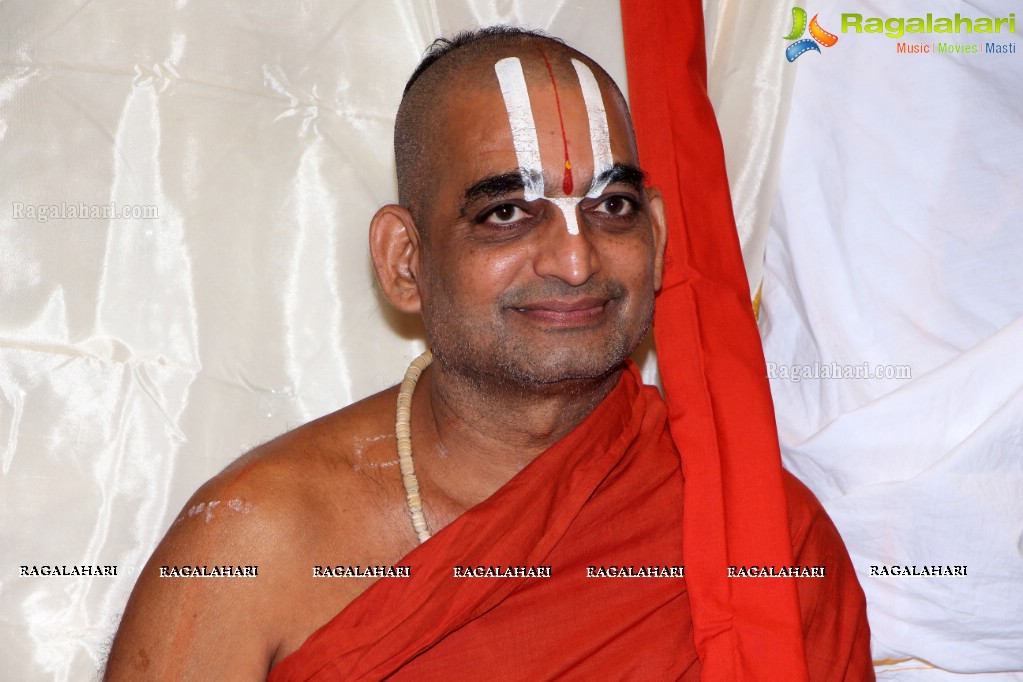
column 608, row 494
column 712, row 366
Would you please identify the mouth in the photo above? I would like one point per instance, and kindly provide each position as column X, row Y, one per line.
column 565, row 313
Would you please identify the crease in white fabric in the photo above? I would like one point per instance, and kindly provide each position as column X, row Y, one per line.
column 896, row 241
column 750, row 86
column 10, row 420
column 309, row 302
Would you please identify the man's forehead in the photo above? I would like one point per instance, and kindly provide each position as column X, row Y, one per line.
column 545, row 129
column 556, row 82
column 542, row 65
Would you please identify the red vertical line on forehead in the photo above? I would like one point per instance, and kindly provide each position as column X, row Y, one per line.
column 567, row 185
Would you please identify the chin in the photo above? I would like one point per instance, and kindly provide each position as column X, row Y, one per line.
column 538, row 359
column 565, row 365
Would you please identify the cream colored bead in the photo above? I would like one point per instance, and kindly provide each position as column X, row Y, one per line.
column 403, row 433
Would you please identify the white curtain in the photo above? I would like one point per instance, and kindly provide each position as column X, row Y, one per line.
column 894, row 247
column 750, row 86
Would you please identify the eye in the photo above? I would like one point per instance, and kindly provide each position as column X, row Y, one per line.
column 617, row 205
column 505, row 214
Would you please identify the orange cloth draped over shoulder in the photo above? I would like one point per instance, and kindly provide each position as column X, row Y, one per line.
column 712, row 365
column 609, row 494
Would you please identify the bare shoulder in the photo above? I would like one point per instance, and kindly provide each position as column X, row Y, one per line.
column 320, row 475
column 217, row 597
column 831, row 602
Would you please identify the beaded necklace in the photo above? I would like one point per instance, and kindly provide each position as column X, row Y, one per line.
column 403, row 432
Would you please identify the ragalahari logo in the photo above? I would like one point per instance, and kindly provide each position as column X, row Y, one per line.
column 818, row 35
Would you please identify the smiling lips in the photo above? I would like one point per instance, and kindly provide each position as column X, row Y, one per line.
column 576, row 312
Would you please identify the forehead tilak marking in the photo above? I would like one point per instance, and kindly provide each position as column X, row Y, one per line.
column 600, row 136
column 567, row 185
column 527, row 146
column 520, row 117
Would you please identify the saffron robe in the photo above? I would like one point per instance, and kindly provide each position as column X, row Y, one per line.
column 608, row 494
column 739, row 502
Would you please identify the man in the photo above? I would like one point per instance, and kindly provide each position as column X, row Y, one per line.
column 529, row 468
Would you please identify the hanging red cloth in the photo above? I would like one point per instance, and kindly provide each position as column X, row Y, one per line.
column 711, row 361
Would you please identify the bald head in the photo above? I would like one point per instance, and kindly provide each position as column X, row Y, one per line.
column 471, row 63
column 527, row 238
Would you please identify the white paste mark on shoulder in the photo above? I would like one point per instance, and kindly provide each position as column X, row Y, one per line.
column 380, row 465
column 210, row 506
column 206, row 509
column 240, row 505
column 359, row 447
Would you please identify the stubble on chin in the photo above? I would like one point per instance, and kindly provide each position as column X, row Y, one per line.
column 498, row 357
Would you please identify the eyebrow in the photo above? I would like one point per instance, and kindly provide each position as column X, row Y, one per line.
column 625, row 173
column 503, row 184
column 495, row 186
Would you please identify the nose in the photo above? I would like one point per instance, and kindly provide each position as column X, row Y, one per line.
column 566, row 250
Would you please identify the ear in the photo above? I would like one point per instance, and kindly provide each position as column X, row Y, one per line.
column 660, row 228
column 394, row 246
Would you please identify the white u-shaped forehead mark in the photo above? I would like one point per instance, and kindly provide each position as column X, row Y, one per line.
column 527, row 146
column 567, row 205
column 600, row 136
column 520, row 117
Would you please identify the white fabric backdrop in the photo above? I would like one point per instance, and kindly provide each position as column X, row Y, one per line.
column 141, row 356
column 750, row 85
column 896, row 239
column 138, row 357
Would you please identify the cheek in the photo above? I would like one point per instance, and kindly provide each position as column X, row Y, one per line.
column 472, row 276
column 630, row 260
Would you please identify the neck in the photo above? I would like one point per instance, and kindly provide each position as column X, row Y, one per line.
column 472, row 436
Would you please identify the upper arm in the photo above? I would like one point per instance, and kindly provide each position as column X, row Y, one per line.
column 204, row 627
column 833, row 608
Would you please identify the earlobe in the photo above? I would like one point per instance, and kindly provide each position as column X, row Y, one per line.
column 659, row 224
column 394, row 246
